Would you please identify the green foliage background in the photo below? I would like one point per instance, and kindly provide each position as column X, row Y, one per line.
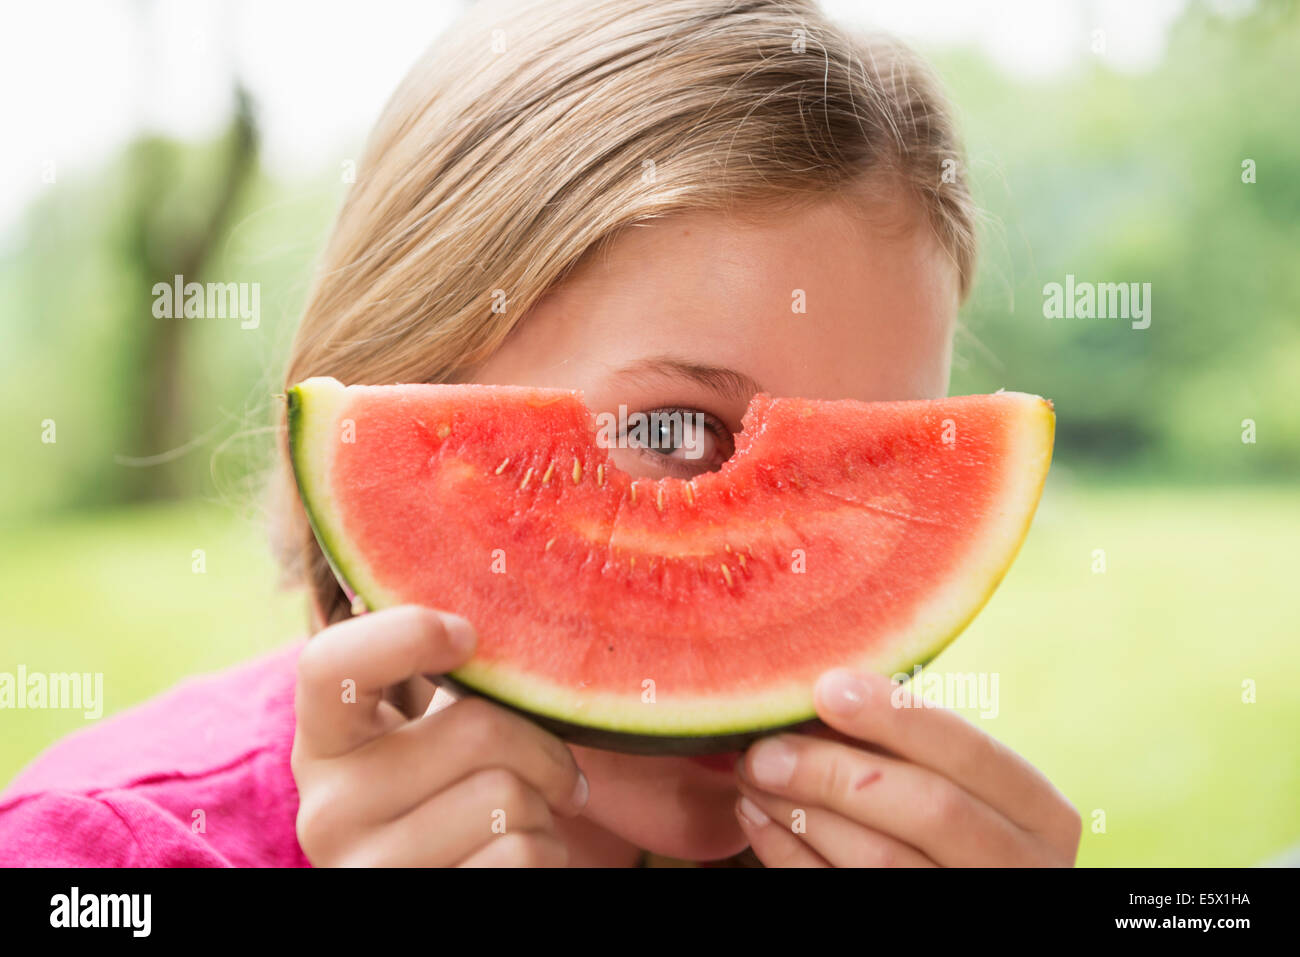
column 1116, row 178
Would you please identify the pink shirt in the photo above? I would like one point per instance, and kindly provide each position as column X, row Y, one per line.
column 125, row 791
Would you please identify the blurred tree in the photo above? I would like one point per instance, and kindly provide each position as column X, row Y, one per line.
column 162, row 242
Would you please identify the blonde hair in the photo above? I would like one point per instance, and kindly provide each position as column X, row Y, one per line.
column 531, row 133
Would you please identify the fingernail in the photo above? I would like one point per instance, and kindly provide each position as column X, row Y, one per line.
column 752, row 813
column 771, row 763
column 581, row 791
column 842, row 692
column 441, row 700
column 460, row 633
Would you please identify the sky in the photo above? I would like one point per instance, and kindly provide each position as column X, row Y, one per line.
column 81, row 77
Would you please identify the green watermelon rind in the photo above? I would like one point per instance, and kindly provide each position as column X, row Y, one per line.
column 710, row 725
column 308, row 493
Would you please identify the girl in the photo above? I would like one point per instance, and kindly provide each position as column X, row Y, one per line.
column 623, row 197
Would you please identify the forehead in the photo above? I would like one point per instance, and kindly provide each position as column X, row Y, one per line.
column 829, row 300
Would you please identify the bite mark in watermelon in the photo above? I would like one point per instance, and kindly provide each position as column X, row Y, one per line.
column 670, row 616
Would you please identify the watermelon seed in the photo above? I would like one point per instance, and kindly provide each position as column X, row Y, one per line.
column 444, row 430
column 728, row 548
column 549, row 469
column 548, row 545
column 741, row 559
column 690, row 492
column 502, row 467
column 577, row 470
column 600, row 474
column 527, row 475
column 634, row 497
column 726, row 573
column 659, row 498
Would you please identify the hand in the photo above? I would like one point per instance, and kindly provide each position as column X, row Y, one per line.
column 898, row 787
column 378, row 789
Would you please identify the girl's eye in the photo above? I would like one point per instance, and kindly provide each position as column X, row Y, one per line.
column 681, row 442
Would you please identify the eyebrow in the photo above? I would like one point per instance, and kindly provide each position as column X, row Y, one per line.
column 725, row 382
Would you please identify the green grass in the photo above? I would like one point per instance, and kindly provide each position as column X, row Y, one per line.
column 1124, row 687
column 117, row 593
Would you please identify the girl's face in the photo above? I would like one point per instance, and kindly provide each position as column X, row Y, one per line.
column 697, row 312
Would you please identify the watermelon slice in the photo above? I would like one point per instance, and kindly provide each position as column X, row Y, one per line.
column 670, row 616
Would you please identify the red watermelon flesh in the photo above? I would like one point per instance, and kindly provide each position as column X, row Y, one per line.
column 671, row 615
